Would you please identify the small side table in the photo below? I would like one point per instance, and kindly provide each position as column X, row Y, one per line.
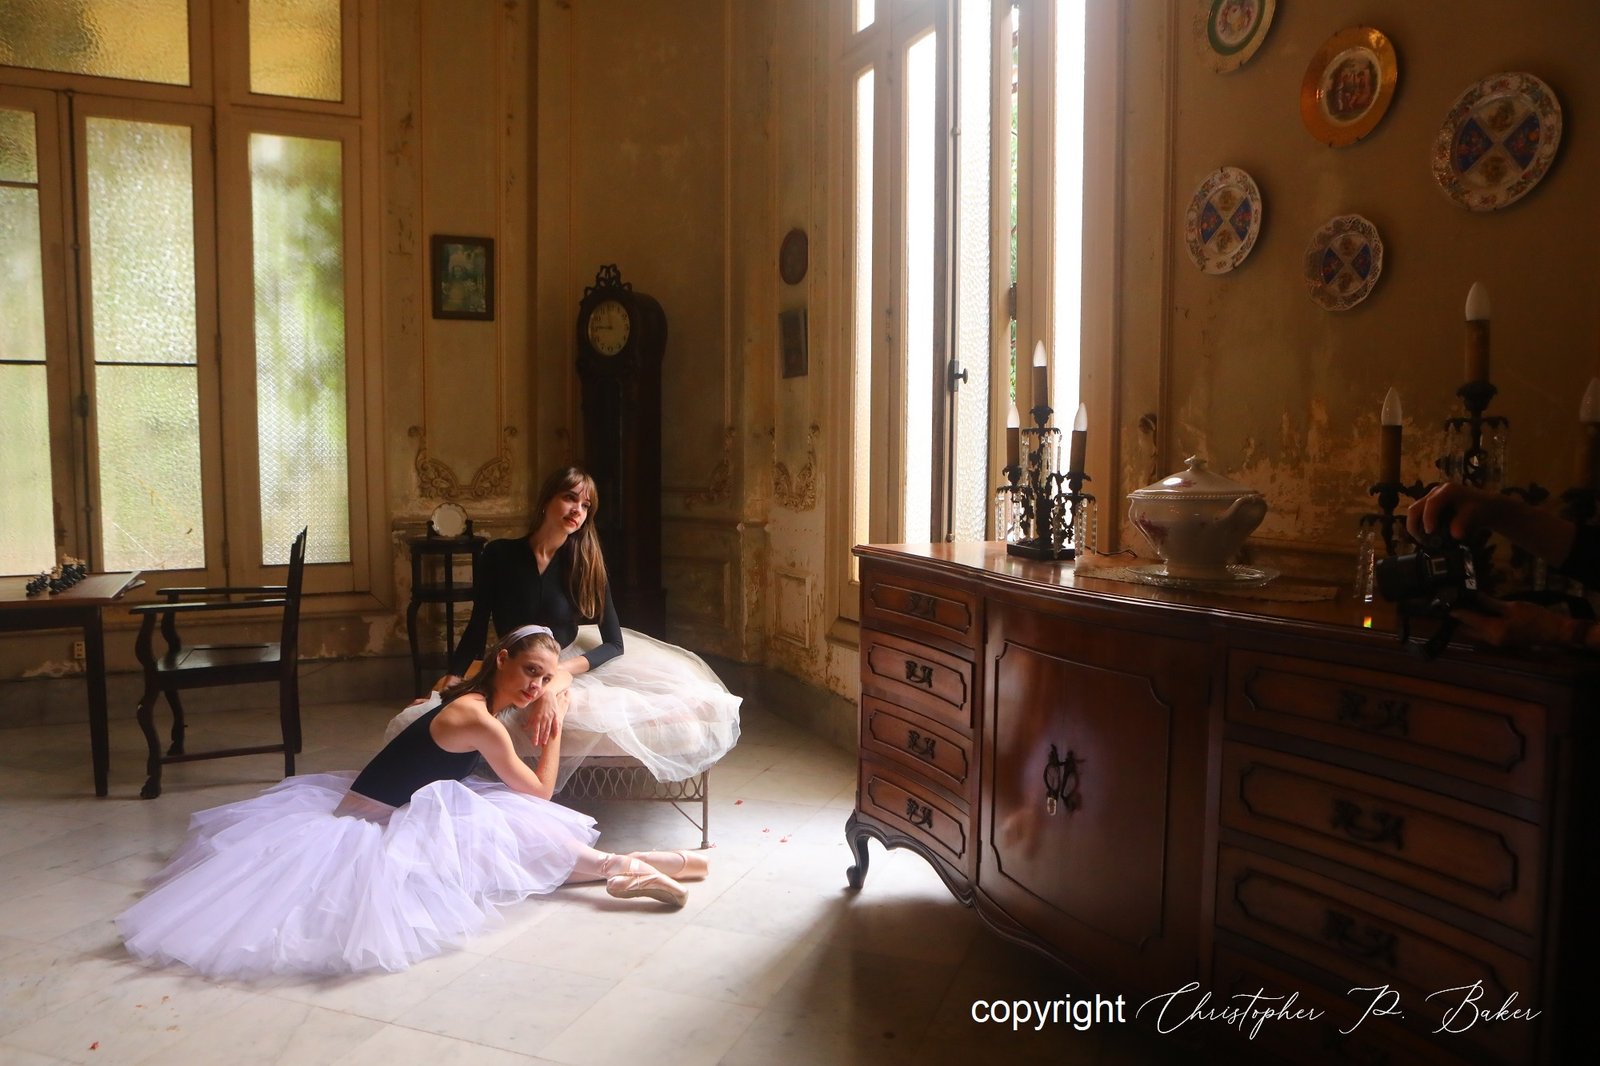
column 447, row 591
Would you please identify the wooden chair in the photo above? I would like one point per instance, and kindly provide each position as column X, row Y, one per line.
column 211, row 665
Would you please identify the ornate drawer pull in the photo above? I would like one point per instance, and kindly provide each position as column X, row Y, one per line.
column 918, row 814
column 1385, row 827
column 1061, row 780
column 1369, row 942
column 1389, row 716
column 919, row 673
column 919, row 745
column 921, row 605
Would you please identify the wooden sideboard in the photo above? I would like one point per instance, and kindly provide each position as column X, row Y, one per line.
column 1158, row 787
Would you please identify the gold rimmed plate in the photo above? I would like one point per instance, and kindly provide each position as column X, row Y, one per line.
column 1348, row 86
column 1497, row 141
column 1230, row 31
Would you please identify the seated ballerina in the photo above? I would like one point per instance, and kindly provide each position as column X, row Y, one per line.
column 343, row 872
column 658, row 703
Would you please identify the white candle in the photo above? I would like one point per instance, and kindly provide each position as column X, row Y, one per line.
column 1013, row 436
column 1477, row 332
column 1389, row 443
column 1041, row 376
column 1080, row 434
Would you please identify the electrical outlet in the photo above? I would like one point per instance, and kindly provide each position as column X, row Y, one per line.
column 77, row 650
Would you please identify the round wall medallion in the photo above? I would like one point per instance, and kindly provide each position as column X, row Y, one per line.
column 448, row 520
column 792, row 255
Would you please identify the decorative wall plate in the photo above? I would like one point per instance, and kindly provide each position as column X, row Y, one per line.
column 449, row 520
column 1343, row 262
column 1497, row 141
column 1230, row 31
column 1348, row 86
column 1222, row 221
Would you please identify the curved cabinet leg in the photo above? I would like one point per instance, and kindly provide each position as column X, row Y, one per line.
column 178, row 724
column 855, row 834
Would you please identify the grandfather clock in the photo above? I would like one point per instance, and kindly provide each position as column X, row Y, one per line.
column 622, row 335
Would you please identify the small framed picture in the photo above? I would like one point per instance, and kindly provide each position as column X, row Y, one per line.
column 792, row 342
column 463, row 277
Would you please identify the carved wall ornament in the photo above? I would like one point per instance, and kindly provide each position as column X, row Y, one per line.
column 718, row 488
column 798, row 492
column 437, row 481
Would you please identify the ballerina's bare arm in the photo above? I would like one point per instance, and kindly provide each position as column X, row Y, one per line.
column 467, row 725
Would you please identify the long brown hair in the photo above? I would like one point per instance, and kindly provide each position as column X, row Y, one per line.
column 513, row 644
column 586, row 576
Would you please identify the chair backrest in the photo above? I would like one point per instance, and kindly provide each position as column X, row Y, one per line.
column 289, row 642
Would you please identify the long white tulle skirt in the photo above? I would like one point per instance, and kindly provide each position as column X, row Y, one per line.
column 281, row 884
column 656, row 702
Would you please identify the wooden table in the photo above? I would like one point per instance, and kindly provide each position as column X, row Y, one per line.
column 78, row 607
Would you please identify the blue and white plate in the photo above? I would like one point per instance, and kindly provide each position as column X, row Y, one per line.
column 1343, row 262
column 1223, row 220
column 1497, row 141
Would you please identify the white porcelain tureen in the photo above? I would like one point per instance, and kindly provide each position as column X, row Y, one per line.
column 1196, row 520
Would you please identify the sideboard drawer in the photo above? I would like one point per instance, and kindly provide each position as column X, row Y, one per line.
column 1479, row 736
column 1367, row 942
column 1479, row 859
column 902, row 802
column 940, row 754
column 919, row 677
column 903, row 603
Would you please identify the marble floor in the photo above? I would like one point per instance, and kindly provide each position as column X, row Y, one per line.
column 773, row 961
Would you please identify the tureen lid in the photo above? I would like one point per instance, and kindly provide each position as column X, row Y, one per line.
column 1194, row 483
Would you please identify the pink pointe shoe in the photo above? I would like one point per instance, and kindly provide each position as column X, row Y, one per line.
column 641, row 879
column 679, row 865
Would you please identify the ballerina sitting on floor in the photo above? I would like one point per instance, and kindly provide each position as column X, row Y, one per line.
column 343, row 872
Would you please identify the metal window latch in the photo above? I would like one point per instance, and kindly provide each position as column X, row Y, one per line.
column 958, row 377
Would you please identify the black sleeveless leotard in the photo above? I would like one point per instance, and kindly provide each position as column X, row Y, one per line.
column 410, row 761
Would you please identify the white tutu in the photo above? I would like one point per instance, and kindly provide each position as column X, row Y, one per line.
column 280, row 884
column 656, row 702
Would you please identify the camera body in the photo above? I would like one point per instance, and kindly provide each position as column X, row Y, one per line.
column 1435, row 579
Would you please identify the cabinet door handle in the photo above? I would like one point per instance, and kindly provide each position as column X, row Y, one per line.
column 919, row 745
column 1383, row 828
column 1388, row 716
column 919, row 673
column 919, row 814
column 1368, row 943
column 1061, row 780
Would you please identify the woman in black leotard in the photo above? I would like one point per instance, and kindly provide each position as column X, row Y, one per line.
column 332, row 873
column 658, row 703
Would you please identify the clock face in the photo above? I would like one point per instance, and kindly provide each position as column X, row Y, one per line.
column 609, row 326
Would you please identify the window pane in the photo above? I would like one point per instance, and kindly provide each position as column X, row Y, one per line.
column 1067, row 246
column 295, row 48
column 21, row 279
column 142, row 40
column 296, row 193
column 921, row 222
column 19, row 153
column 972, row 260
column 141, row 232
column 150, row 467
column 865, row 13
column 142, row 309
column 1014, row 19
column 29, row 543
column 861, row 326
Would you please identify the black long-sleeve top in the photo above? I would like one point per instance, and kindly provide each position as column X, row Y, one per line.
column 1583, row 562
column 508, row 587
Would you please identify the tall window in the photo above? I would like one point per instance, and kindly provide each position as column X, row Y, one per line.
column 180, row 184
column 962, row 198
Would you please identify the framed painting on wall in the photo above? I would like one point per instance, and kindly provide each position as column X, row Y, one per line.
column 463, row 277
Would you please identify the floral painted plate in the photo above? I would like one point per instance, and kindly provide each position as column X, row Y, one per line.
column 1348, row 86
column 1343, row 262
column 1497, row 141
column 1230, row 31
column 1223, row 220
